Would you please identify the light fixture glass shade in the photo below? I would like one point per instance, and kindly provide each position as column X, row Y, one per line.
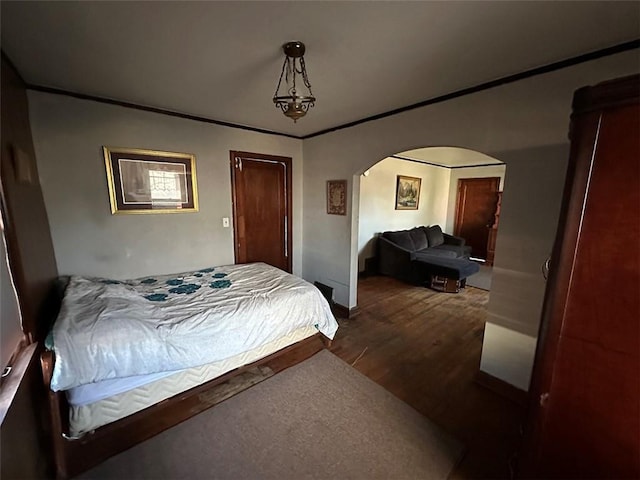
column 294, row 97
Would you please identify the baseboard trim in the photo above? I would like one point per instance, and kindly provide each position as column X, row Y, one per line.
column 502, row 388
column 344, row 312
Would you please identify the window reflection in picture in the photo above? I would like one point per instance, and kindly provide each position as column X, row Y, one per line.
column 146, row 181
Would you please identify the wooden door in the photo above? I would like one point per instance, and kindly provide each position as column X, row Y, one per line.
column 475, row 209
column 585, row 403
column 261, row 187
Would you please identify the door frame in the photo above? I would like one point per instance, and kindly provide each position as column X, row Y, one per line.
column 458, row 216
column 262, row 157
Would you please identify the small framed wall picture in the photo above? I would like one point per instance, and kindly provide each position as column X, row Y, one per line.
column 407, row 192
column 337, row 197
column 150, row 181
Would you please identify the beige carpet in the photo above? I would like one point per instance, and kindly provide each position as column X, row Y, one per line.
column 319, row 419
column 482, row 279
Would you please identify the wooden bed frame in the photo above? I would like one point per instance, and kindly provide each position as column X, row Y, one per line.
column 74, row 456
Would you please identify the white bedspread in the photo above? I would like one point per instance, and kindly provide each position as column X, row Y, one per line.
column 108, row 329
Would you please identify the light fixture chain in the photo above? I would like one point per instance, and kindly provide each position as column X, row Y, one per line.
column 280, row 80
column 305, row 79
column 293, row 76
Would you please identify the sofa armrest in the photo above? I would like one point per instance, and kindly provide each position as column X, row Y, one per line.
column 393, row 260
column 453, row 240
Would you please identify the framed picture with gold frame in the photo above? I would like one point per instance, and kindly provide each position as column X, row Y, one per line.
column 407, row 192
column 150, row 181
column 337, row 197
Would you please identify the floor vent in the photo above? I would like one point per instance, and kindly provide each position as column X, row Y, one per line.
column 326, row 291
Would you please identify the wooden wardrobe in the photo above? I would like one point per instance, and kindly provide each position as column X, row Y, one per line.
column 584, row 417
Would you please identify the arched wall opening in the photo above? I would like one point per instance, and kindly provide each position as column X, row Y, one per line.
column 525, row 125
column 438, row 170
column 532, row 194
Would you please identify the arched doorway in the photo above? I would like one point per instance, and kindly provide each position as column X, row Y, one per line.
column 528, row 221
column 438, row 172
column 423, row 345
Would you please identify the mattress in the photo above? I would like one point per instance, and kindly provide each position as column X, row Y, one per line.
column 88, row 417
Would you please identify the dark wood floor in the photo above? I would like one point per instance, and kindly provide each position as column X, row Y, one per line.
column 424, row 347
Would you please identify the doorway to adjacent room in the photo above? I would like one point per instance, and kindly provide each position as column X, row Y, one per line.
column 261, row 191
column 476, row 206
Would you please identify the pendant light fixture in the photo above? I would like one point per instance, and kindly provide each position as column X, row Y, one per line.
column 296, row 97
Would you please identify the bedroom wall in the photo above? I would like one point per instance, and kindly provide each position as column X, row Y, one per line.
column 32, row 264
column 27, row 228
column 10, row 318
column 518, row 117
column 69, row 134
column 19, row 134
column 377, row 201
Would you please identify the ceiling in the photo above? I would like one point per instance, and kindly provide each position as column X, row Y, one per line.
column 451, row 157
column 221, row 60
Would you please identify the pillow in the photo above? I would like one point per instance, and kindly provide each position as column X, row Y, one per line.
column 434, row 235
column 419, row 238
column 400, row 238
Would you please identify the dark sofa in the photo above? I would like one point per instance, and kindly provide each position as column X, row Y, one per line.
column 411, row 255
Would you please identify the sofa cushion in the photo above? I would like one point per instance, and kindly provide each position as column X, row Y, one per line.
column 435, row 252
column 419, row 238
column 402, row 238
column 434, row 235
column 461, row 251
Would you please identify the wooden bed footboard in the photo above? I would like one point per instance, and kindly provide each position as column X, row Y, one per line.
column 73, row 456
column 58, row 410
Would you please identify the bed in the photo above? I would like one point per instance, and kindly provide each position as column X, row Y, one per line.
column 128, row 359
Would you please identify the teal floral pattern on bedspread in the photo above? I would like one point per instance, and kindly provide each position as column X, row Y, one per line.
column 163, row 289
